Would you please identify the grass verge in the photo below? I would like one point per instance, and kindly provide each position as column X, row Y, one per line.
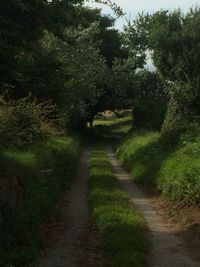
column 30, row 185
column 175, row 171
column 138, row 153
column 124, row 241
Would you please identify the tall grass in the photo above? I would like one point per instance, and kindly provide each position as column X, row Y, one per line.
column 30, row 184
column 138, row 154
column 124, row 242
column 174, row 171
column 179, row 175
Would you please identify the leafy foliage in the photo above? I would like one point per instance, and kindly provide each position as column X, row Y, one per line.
column 22, row 122
column 86, row 69
column 22, row 26
column 173, row 39
column 62, row 52
column 150, row 101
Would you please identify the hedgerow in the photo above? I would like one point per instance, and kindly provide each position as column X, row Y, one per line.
column 30, row 185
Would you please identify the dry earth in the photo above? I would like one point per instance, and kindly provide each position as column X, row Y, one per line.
column 63, row 253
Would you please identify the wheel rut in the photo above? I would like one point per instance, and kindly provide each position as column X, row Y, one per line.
column 167, row 247
column 64, row 252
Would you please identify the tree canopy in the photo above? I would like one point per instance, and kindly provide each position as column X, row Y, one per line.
column 71, row 54
column 58, row 50
column 172, row 37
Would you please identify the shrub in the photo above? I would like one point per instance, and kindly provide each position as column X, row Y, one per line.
column 25, row 122
column 175, row 123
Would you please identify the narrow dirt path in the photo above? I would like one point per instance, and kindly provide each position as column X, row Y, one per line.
column 64, row 252
column 167, row 247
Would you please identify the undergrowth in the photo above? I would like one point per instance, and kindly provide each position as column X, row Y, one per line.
column 30, row 184
column 124, row 242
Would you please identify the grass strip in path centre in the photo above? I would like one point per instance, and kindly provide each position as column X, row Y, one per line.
column 124, row 240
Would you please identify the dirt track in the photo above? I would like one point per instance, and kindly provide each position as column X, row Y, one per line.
column 167, row 248
column 64, row 252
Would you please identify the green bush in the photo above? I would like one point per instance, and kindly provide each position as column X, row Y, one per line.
column 175, row 123
column 25, row 122
column 31, row 182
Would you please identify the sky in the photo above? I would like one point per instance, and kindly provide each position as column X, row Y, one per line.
column 133, row 7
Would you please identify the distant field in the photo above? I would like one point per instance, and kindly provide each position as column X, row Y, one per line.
column 110, row 122
column 115, row 128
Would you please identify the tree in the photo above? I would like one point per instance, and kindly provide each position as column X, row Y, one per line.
column 150, row 101
column 85, row 69
column 173, row 39
column 111, row 45
column 22, row 27
column 61, row 51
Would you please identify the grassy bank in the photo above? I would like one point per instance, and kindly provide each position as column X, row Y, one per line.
column 139, row 155
column 124, row 242
column 31, row 182
column 175, row 172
